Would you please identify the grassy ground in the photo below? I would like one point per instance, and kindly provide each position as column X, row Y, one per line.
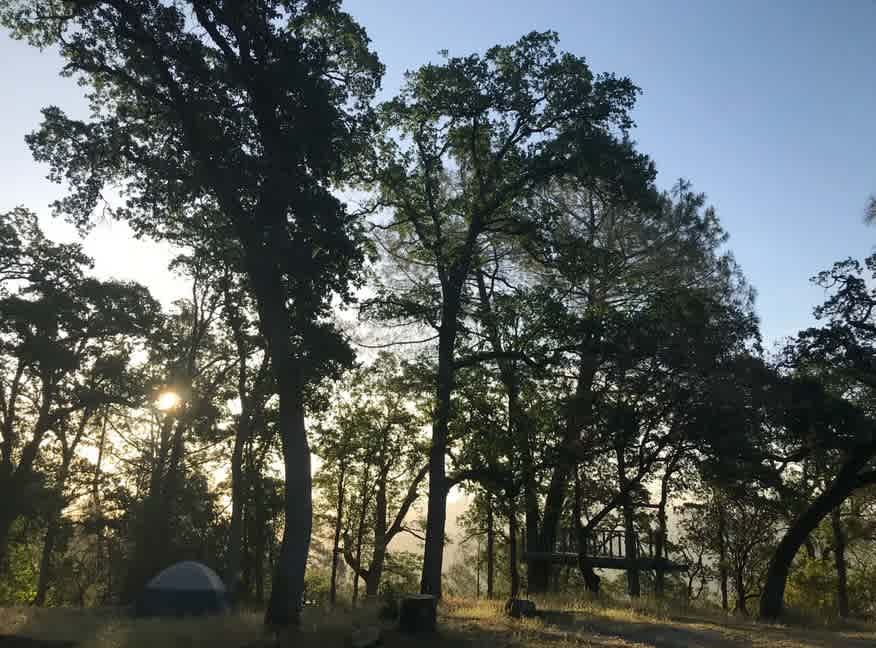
column 462, row 623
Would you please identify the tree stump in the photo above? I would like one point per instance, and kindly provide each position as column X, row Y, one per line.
column 517, row 608
column 366, row 637
column 417, row 614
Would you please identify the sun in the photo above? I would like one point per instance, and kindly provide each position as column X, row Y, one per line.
column 167, row 401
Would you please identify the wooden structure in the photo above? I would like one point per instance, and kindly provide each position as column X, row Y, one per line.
column 606, row 549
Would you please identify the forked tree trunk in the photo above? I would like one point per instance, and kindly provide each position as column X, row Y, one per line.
column 845, row 483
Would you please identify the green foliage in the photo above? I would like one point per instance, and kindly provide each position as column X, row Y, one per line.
column 402, row 572
column 18, row 581
column 812, row 587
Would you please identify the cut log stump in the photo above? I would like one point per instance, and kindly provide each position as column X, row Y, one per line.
column 367, row 637
column 417, row 614
column 517, row 608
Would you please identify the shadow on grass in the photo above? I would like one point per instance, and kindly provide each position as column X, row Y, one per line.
column 654, row 633
column 12, row 641
column 707, row 632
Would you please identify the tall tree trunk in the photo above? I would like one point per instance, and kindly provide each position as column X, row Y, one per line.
column 263, row 258
column 46, row 561
column 591, row 578
column 98, row 509
column 287, row 591
column 739, row 586
column 375, row 570
column 845, row 483
column 260, row 547
column 722, row 557
column 171, row 487
column 491, row 546
column 659, row 548
column 238, row 493
column 336, row 543
column 579, row 410
column 478, row 571
column 248, row 395
column 360, row 531
column 520, row 432
column 634, row 587
column 244, row 591
column 631, row 544
column 532, row 521
column 514, row 574
column 150, row 538
column 436, row 510
column 839, row 554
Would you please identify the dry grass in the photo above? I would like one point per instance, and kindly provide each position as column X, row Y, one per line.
column 576, row 621
column 113, row 629
column 565, row 622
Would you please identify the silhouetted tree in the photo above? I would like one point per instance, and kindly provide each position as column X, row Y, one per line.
column 826, row 424
column 66, row 342
column 226, row 121
column 463, row 147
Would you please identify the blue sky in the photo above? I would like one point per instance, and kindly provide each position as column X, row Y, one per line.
column 768, row 107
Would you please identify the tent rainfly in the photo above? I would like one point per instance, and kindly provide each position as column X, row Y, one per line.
column 187, row 588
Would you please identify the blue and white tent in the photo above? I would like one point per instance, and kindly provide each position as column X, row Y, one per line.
column 187, row 588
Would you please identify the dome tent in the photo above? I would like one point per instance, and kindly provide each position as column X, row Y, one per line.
column 186, row 588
